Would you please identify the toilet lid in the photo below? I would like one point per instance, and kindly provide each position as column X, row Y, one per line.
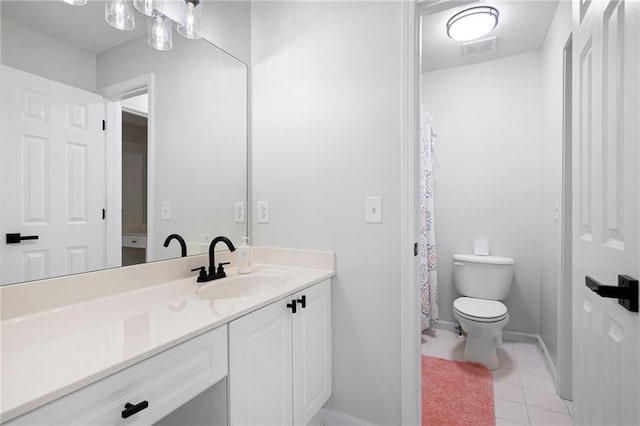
column 480, row 308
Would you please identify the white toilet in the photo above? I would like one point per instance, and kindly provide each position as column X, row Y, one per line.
column 482, row 281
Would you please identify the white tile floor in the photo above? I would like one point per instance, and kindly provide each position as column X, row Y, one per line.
column 523, row 390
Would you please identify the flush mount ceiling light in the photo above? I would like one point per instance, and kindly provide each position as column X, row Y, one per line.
column 75, row 2
column 472, row 23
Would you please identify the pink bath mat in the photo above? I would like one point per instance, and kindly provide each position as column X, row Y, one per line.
column 456, row 393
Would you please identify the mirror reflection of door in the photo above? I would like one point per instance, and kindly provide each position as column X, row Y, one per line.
column 134, row 179
column 52, row 166
column 196, row 163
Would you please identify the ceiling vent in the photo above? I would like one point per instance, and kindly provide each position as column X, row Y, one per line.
column 479, row 47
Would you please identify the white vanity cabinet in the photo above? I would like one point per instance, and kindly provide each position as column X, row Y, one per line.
column 165, row 381
column 280, row 361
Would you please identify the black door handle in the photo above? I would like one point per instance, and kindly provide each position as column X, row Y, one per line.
column 15, row 238
column 292, row 305
column 626, row 291
column 303, row 301
column 130, row 409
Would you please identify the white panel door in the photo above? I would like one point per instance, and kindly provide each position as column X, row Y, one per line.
column 606, row 207
column 260, row 367
column 52, row 177
column 311, row 352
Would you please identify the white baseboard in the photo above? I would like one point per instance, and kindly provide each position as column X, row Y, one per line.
column 336, row 418
column 550, row 365
column 519, row 337
column 446, row 325
column 514, row 336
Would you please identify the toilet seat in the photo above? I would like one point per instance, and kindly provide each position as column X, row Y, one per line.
column 480, row 310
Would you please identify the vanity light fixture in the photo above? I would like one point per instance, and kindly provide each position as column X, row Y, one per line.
column 189, row 26
column 76, row 2
column 146, row 7
column 119, row 14
column 159, row 34
column 472, row 23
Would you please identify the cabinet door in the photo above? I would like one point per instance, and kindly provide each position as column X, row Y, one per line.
column 312, row 353
column 260, row 367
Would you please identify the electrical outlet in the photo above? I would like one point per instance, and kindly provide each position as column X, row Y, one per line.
column 165, row 213
column 263, row 212
column 238, row 212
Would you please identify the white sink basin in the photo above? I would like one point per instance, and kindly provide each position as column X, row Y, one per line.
column 240, row 286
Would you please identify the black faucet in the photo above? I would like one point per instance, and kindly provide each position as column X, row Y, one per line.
column 183, row 245
column 213, row 273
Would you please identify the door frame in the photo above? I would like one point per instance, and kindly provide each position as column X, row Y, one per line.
column 410, row 365
column 115, row 93
column 564, row 380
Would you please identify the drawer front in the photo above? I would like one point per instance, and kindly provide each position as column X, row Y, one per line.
column 165, row 381
column 136, row 241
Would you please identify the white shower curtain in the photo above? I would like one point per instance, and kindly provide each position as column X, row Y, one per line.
column 427, row 242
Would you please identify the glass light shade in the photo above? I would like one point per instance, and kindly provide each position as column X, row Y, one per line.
column 146, row 7
column 159, row 35
column 472, row 23
column 119, row 14
column 189, row 25
column 76, row 2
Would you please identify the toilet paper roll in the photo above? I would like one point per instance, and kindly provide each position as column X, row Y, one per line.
column 481, row 247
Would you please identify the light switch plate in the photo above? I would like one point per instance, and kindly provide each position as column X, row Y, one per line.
column 263, row 212
column 238, row 212
column 165, row 214
column 374, row 210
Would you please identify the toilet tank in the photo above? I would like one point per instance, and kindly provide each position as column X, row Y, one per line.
column 484, row 277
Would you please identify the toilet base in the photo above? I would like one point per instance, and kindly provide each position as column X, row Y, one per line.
column 482, row 350
column 482, row 340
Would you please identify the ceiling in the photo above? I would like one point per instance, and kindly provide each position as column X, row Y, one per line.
column 79, row 26
column 522, row 27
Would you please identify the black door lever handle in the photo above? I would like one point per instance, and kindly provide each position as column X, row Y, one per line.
column 626, row 291
column 15, row 238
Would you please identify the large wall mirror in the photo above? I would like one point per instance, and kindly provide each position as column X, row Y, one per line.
column 110, row 144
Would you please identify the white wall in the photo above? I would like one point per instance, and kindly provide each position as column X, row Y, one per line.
column 34, row 52
column 488, row 173
column 552, row 68
column 200, row 104
column 326, row 133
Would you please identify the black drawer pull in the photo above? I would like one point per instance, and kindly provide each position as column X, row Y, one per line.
column 303, row 301
column 15, row 238
column 626, row 291
column 292, row 305
column 130, row 409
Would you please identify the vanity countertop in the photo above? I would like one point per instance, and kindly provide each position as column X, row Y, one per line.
column 49, row 354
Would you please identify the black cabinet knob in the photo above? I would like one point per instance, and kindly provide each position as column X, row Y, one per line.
column 303, row 301
column 130, row 409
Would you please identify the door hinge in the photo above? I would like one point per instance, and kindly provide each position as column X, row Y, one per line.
column 104, row 125
column 104, row 214
column 415, row 249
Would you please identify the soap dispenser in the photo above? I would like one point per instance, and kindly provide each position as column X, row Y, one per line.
column 245, row 256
